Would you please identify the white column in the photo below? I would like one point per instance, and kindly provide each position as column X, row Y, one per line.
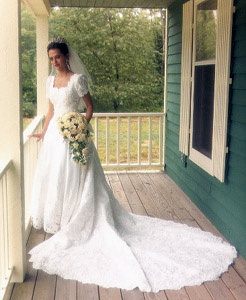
column 42, row 63
column 11, row 131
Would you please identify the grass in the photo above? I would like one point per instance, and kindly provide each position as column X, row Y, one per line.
column 124, row 140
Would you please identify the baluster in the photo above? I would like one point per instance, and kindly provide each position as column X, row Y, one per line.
column 118, row 141
column 96, row 132
column 2, row 233
column 139, row 140
column 160, row 140
column 6, row 229
column 150, row 140
column 107, row 141
column 28, row 157
column 129, row 141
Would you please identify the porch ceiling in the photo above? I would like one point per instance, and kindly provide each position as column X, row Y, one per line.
column 112, row 3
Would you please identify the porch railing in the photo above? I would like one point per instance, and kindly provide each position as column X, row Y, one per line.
column 5, row 269
column 31, row 150
column 129, row 140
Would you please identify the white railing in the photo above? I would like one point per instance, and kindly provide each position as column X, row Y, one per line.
column 5, row 269
column 129, row 140
column 31, row 150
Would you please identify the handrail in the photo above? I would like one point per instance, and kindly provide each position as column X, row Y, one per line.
column 31, row 128
column 4, row 166
column 126, row 114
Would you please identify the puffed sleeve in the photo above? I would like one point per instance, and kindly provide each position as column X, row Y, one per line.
column 82, row 85
column 48, row 82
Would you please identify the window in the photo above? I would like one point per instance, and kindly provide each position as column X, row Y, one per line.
column 202, row 114
column 206, row 44
column 203, row 74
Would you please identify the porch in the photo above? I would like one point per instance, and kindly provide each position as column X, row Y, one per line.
column 144, row 193
column 154, row 194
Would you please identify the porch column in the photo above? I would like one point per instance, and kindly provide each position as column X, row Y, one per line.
column 42, row 63
column 11, row 131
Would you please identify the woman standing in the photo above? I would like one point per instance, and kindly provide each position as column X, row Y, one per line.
column 96, row 240
column 54, row 185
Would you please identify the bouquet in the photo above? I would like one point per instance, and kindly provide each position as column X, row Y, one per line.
column 74, row 128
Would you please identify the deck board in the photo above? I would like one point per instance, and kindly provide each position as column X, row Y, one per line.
column 153, row 194
column 177, row 295
column 219, row 290
column 87, row 291
column 45, row 286
column 235, row 283
column 65, row 289
column 198, row 293
column 155, row 296
column 240, row 267
column 132, row 295
column 111, row 293
column 24, row 291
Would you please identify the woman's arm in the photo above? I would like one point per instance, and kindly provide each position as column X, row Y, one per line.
column 48, row 117
column 89, row 106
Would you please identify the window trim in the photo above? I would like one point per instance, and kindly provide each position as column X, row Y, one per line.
column 197, row 157
column 225, row 10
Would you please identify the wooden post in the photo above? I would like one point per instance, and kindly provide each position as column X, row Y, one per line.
column 11, row 133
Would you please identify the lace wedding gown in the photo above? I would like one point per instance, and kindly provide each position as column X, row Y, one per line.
column 98, row 241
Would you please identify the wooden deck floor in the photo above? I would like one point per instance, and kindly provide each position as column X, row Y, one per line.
column 153, row 194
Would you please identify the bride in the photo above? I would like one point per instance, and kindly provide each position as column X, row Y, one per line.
column 95, row 239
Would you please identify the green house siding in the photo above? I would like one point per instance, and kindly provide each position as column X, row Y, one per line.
column 223, row 203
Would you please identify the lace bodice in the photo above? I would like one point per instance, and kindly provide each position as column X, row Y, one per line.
column 69, row 98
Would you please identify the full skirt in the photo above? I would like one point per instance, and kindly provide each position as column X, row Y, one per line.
column 97, row 241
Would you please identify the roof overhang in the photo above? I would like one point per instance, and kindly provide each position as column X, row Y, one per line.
column 38, row 7
column 112, row 3
column 42, row 7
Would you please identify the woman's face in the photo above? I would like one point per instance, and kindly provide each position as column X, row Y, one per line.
column 57, row 59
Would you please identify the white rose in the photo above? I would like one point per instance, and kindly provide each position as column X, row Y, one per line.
column 84, row 151
column 66, row 132
column 75, row 145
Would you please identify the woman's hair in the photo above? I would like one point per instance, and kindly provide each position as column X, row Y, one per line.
column 58, row 43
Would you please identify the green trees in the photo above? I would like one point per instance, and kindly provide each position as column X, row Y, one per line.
column 28, row 53
column 122, row 49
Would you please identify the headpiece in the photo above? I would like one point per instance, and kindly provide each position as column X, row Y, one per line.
column 57, row 39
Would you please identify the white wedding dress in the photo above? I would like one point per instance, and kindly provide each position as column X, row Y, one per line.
column 98, row 241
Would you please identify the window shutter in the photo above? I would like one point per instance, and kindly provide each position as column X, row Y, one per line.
column 221, row 92
column 185, row 77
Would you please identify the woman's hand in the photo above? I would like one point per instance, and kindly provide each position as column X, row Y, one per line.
column 38, row 136
column 48, row 117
